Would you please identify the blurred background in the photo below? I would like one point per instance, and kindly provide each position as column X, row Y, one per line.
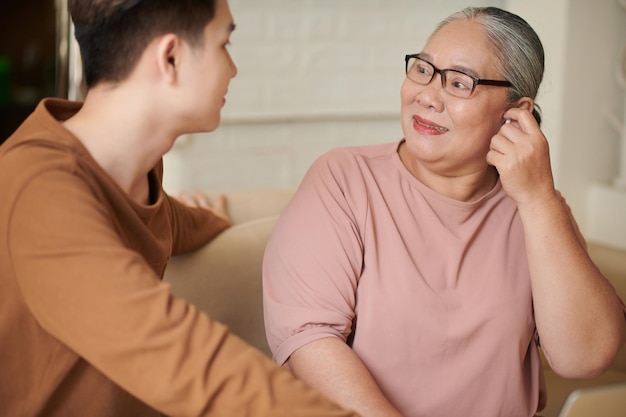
column 316, row 74
column 37, row 58
column 27, row 58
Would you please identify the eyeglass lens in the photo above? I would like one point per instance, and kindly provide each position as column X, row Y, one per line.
column 453, row 82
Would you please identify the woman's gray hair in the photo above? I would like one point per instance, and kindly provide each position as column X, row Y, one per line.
column 517, row 47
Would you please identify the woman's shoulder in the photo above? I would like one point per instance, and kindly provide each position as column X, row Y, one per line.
column 355, row 154
column 353, row 167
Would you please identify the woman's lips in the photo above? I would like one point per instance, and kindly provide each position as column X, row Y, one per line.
column 427, row 127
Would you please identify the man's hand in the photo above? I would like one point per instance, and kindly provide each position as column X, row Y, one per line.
column 199, row 199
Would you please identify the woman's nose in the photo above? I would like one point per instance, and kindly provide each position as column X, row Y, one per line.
column 431, row 94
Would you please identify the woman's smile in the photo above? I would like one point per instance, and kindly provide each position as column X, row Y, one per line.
column 427, row 127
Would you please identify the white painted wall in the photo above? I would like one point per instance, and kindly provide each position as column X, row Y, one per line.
column 316, row 74
column 590, row 146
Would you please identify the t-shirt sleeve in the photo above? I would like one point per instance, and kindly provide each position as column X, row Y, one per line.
column 313, row 261
column 192, row 227
column 103, row 301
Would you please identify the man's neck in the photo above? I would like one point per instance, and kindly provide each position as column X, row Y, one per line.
column 123, row 141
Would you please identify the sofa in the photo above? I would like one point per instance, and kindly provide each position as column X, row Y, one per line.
column 223, row 279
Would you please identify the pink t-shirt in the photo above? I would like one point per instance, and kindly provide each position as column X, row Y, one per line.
column 436, row 290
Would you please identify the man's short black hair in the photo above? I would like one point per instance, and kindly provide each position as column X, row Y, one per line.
column 112, row 34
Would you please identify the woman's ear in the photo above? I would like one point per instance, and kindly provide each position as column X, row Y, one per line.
column 525, row 103
column 528, row 104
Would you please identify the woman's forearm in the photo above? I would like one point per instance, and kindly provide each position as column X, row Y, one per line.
column 333, row 368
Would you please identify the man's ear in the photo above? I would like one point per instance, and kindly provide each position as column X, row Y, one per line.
column 168, row 57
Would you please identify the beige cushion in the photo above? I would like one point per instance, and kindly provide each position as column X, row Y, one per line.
column 559, row 388
column 612, row 263
column 245, row 206
column 223, row 279
column 607, row 401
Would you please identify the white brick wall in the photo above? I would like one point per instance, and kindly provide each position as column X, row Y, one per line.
column 313, row 75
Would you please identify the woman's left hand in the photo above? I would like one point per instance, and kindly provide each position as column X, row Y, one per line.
column 520, row 153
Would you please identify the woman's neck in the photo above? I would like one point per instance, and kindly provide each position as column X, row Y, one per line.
column 465, row 187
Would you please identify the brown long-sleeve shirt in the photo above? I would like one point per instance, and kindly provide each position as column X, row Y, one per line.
column 87, row 327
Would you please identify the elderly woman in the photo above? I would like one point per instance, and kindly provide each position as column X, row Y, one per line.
column 418, row 278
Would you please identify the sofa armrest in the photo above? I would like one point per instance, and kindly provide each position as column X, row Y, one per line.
column 223, row 279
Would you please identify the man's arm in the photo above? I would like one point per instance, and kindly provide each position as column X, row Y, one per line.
column 103, row 301
column 195, row 221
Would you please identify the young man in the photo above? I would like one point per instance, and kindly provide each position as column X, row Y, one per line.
column 87, row 326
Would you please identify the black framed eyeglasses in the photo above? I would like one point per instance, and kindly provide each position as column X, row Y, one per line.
column 454, row 82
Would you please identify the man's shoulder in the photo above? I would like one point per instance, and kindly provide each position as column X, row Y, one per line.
column 34, row 154
column 41, row 141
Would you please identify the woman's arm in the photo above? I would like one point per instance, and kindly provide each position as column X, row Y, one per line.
column 579, row 317
column 578, row 314
column 311, row 271
column 330, row 365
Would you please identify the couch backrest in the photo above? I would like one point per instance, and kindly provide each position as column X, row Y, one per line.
column 223, row 279
column 245, row 206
